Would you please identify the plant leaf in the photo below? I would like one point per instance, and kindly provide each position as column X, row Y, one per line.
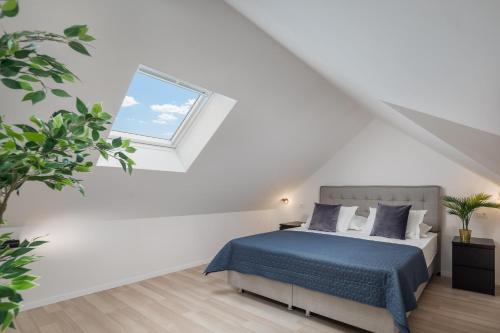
column 80, row 106
column 73, row 31
column 27, row 77
column 57, row 78
column 86, row 38
column 21, row 54
column 34, row 97
column 60, row 93
column 23, row 285
column 26, row 86
column 9, row 5
column 12, row 84
column 35, row 136
column 58, row 121
column 116, row 142
column 10, row 8
column 78, row 47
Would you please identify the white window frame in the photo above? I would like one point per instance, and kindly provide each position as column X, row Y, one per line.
column 188, row 121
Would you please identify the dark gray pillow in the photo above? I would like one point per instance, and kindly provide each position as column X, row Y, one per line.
column 325, row 217
column 391, row 221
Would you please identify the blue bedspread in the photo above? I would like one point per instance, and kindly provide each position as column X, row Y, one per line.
column 376, row 273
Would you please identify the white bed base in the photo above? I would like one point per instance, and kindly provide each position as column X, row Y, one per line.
column 364, row 316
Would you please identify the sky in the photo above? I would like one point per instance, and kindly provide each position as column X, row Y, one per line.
column 153, row 107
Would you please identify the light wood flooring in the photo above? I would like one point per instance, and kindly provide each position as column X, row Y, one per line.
column 186, row 302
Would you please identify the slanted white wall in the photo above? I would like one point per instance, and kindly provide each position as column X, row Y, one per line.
column 383, row 155
column 86, row 256
column 246, row 163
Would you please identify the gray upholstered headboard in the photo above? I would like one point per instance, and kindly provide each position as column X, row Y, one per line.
column 420, row 197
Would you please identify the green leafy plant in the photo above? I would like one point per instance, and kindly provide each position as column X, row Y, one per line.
column 464, row 207
column 12, row 269
column 51, row 151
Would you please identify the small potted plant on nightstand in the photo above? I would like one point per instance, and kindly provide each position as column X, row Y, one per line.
column 464, row 207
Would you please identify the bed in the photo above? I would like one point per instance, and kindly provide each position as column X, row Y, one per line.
column 370, row 282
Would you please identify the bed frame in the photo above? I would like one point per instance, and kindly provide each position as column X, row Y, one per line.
column 361, row 315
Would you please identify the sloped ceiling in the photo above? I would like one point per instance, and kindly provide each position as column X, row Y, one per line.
column 437, row 57
column 479, row 145
column 286, row 124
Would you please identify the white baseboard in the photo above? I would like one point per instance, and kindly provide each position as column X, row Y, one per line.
column 110, row 285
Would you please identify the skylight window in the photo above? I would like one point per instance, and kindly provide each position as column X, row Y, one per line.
column 169, row 121
column 157, row 109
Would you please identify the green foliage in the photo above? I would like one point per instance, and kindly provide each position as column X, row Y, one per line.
column 50, row 151
column 464, row 207
column 9, row 8
column 15, row 277
column 24, row 68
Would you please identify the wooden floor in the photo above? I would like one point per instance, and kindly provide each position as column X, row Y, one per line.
column 188, row 302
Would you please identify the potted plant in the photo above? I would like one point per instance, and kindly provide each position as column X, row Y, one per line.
column 51, row 151
column 464, row 207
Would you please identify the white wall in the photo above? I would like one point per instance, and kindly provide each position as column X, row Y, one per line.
column 382, row 155
column 86, row 256
column 207, row 43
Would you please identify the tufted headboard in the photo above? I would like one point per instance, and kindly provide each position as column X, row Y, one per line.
column 420, row 197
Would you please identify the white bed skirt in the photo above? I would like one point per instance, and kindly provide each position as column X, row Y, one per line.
column 357, row 314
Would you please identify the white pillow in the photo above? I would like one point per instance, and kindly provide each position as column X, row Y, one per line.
column 415, row 218
column 367, row 229
column 308, row 222
column 357, row 223
column 424, row 229
column 345, row 216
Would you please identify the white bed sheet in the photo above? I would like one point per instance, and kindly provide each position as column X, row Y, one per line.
column 428, row 245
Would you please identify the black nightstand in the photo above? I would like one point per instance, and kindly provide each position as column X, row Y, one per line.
column 474, row 265
column 289, row 225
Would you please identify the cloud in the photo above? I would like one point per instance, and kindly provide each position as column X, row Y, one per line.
column 129, row 101
column 164, row 118
column 173, row 108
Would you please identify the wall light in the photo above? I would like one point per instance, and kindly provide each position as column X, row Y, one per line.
column 284, row 201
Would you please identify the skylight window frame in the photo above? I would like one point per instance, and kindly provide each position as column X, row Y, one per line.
column 181, row 130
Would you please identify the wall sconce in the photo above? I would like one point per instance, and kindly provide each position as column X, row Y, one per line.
column 284, row 201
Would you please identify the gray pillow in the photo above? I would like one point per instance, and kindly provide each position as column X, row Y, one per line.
column 325, row 217
column 391, row 221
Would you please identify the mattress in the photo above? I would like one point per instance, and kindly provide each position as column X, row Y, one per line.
column 429, row 245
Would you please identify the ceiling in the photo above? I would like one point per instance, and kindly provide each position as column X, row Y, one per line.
column 427, row 66
column 288, row 120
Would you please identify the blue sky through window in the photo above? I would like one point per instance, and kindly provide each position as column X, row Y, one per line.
column 153, row 107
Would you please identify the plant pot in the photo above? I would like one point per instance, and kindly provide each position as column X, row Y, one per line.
column 465, row 235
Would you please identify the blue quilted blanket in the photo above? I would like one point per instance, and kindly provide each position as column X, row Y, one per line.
column 376, row 273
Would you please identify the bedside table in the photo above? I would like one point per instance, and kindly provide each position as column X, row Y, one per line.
column 289, row 225
column 474, row 265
